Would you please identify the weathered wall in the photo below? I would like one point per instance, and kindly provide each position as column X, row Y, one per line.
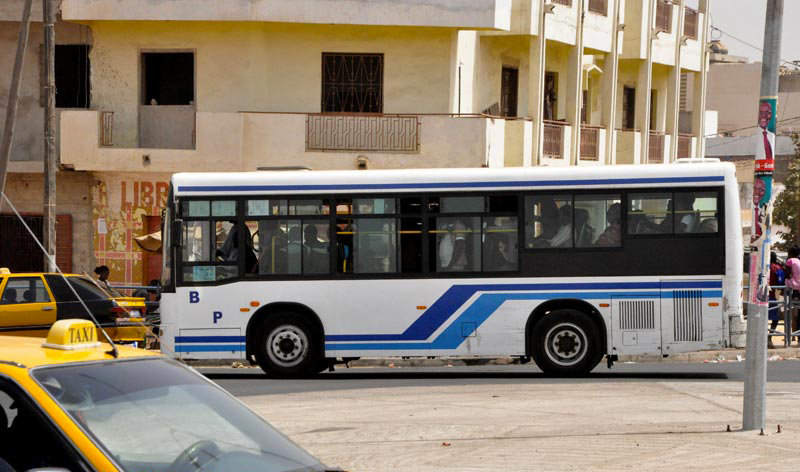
column 266, row 67
column 74, row 197
column 28, row 138
column 121, row 203
column 495, row 52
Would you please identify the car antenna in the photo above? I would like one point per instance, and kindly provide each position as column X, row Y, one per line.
column 114, row 352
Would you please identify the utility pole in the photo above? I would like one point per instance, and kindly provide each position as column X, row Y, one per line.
column 755, row 383
column 13, row 95
column 50, row 165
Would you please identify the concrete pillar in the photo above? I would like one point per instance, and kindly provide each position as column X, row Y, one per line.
column 644, row 83
column 674, row 87
column 608, row 116
column 463, row 51
column 699, row 89
column 536, row 69
column 574, row 94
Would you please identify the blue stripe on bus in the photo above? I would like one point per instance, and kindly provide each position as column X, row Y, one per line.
column 210, row 348
column 444, row 185
column 443, row 308
column 209, row 339
column 475, row 315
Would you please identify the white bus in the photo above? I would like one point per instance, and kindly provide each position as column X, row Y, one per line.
column 296, row 271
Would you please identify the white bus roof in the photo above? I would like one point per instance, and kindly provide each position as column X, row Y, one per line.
column 426, row 180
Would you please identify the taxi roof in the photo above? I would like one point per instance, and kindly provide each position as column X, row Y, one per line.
column 33, row 274
column 29, row 352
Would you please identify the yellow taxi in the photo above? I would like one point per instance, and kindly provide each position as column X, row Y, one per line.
column 73, row 403
column 31, row 302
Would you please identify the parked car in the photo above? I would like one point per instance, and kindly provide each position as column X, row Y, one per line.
column 31, row 302
column 85, row 406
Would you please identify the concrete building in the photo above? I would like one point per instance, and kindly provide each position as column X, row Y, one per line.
column 204, row 85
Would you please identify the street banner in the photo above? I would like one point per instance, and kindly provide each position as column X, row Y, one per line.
column 762, row 202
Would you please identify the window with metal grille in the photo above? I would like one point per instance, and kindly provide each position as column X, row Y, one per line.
column 352, row 83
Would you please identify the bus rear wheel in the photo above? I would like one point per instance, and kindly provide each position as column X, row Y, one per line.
column 287, row 346
column 566, row 342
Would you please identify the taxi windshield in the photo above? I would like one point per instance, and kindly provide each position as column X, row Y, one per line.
column 157, row 415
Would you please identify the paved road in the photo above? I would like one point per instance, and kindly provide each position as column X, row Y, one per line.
column 252, row 381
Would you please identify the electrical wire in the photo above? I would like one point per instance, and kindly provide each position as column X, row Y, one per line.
column 783, row 121
column 714, row 28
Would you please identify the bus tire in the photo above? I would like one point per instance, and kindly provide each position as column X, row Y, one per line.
column 287, row 346
column 566, row 342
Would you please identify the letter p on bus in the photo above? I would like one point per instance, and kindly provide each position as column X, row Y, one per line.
column 217, row 316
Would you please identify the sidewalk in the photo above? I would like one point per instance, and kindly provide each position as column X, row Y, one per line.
column 543, row 426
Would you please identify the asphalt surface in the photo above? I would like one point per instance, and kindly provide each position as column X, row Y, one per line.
column 252, row 381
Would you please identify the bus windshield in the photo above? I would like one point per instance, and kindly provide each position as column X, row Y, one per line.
column 157, row 415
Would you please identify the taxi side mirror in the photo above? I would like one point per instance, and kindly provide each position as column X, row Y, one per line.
column 177, row 232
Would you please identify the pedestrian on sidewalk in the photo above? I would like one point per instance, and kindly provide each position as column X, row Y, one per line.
column 792, row 272
column 776, row 279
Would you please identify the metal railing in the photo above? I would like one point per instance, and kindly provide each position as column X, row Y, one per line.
column 788, row 305
column 684, row 145
column 553, row 143
column 562, row 2
column 590, row 143
column 664, row 16
column 362, row 132
column 599, row 6
column 106, row 128
column 655, row 151
column 690, row 21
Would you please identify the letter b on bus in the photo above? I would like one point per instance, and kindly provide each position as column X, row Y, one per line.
column 194, row 297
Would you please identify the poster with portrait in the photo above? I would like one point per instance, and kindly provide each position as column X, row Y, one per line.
column 762, row 201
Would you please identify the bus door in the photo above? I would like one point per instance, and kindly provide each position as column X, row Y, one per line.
column 692, row 315
column 636, row 325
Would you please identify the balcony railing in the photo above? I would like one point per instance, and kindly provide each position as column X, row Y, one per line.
column 664, row 16
column 599, row 6
column 368, row 133
column 107, row 128
column 562, row 2
column 590, row 143
column 684, row 145
column 655, row 151
column 553, row 144
column 690, row 23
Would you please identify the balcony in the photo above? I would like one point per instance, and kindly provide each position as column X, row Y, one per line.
column 246, row 141
column 590, row 142
column 685, row 146
column 664, row 16
column 466, row 14
column 656, row 148
column 553, row 142
column 599, row 6
column 690, row 23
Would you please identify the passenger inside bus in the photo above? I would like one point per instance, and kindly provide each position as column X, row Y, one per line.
column 563, row 236
column 688, row 219
column 315, row 251
column 611, row 236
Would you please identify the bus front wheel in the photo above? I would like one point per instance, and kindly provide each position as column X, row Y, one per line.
column 566, row 342
column 287, row 346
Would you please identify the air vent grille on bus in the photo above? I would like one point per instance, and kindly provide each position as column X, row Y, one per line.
column 688, row 305
column 637, row 314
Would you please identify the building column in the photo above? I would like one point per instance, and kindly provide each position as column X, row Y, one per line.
column 610, row 86
column 674, row 87
column 463, row 51
column 699, row 89
column 644, row 84
column 574, row 94
column 537, row 53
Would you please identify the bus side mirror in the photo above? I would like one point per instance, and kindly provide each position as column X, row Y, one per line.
column 177, row 231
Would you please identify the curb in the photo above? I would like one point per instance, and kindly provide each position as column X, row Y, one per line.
column 712, row 357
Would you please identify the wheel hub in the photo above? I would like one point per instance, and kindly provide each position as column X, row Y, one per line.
column 565, row 344
column 287, row 345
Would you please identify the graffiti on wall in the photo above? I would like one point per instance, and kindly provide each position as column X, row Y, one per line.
column 121, row 207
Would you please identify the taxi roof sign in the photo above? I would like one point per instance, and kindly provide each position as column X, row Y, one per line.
column 4, row 271
column 72, row 335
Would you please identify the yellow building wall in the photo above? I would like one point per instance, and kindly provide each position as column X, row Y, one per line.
column 121, row 203
column 265, row 66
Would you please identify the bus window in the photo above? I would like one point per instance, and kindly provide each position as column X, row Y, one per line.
column 597, row 220
column 197, row 241
column 223, row 208
column 456, row 204
column 196, row 208
column 309, row 207
column 316, row 246
column 373, row 206
column 374, row 245
column 548, row 221
column 267, row 207
column 456, row 243
column 650, row 213
column 277, row 246
column 700, row 216
column 499, row 243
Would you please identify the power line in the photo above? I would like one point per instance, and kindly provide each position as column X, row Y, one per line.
column 784, row 121
column 749, row 44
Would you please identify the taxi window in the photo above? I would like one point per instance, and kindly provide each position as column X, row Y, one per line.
column 24, row 290
column 86, row 289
